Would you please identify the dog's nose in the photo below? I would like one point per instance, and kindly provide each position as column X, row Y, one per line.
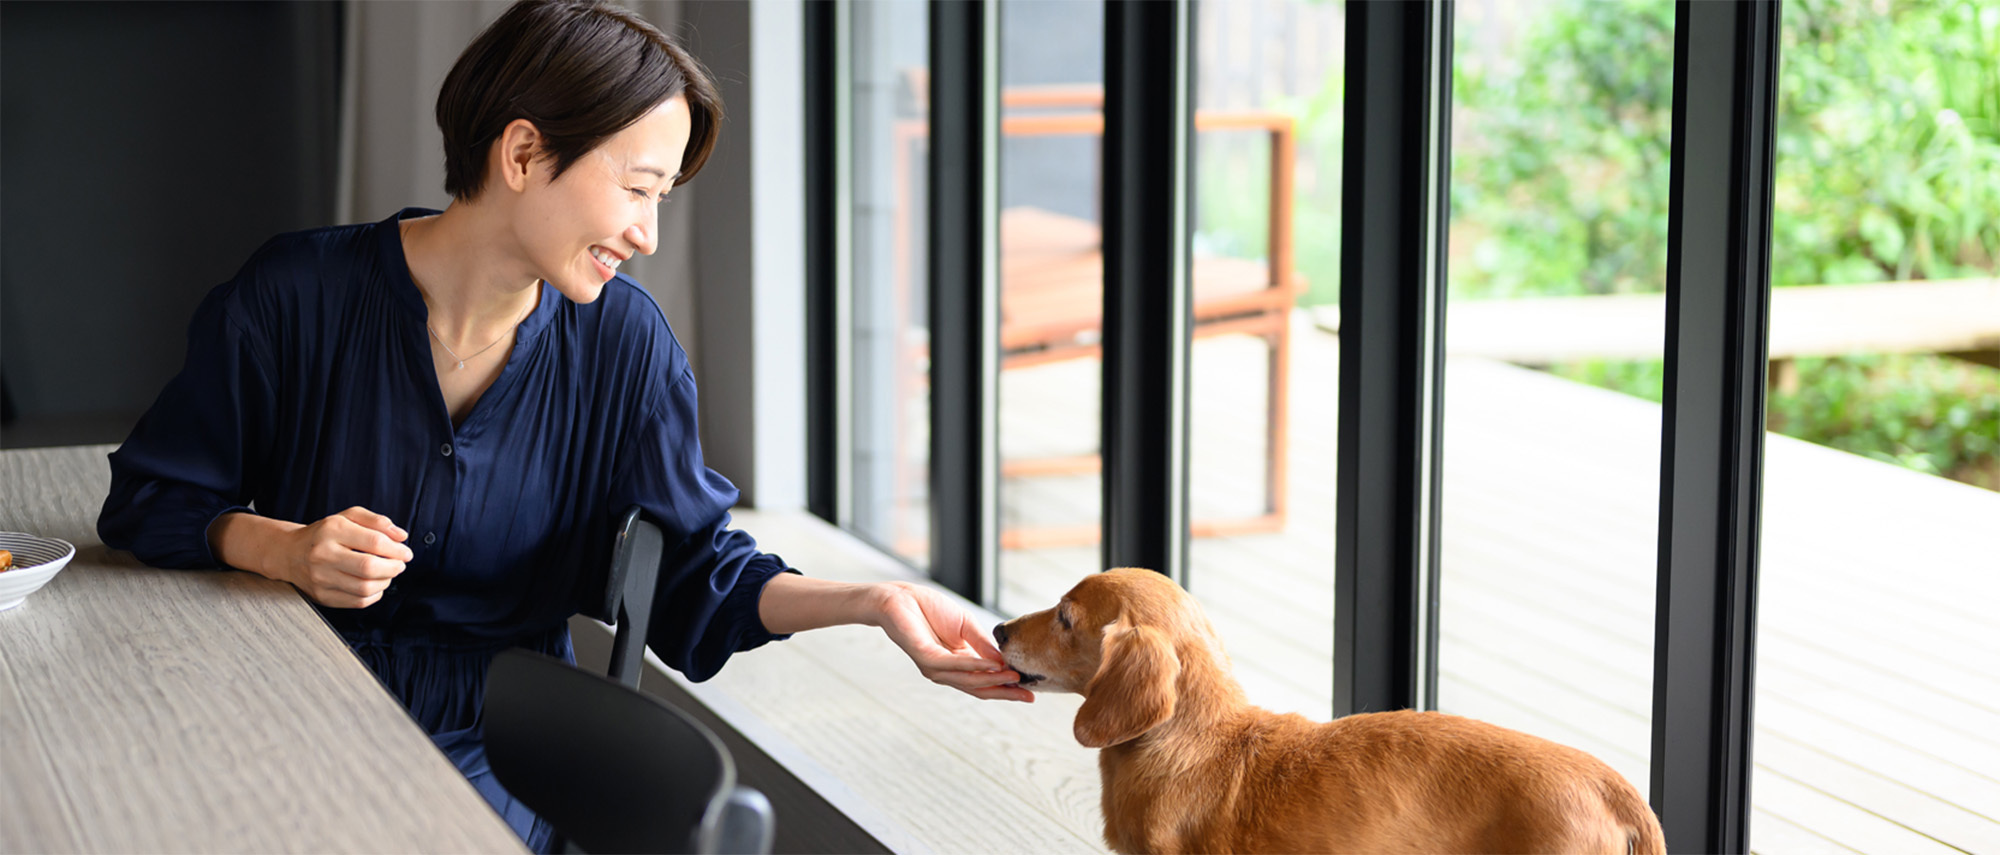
column 1000, row 634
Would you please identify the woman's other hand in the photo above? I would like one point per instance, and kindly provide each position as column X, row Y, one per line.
column 344, row 561
column 947, row 645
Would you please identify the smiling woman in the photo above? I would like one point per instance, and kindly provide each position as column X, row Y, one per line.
column 439, row 417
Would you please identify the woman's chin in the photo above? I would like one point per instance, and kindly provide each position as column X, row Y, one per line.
column 581, row 291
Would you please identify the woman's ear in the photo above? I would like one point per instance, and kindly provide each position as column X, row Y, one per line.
column 515, row 152
column 1133, row 691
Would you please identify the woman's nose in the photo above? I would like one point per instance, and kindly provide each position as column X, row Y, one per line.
column 1000, row 635
column 642, row 238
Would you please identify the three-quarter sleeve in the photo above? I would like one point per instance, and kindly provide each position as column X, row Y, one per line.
column 191, row 458
column 705, row 607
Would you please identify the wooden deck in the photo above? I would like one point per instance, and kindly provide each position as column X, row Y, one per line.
column 1878, row 704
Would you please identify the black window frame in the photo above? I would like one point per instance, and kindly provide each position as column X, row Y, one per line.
column 1392, row 369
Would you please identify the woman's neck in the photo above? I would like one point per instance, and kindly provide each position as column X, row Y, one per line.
column 470, row 273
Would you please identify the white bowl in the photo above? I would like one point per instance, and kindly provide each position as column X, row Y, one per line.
column 36, row 561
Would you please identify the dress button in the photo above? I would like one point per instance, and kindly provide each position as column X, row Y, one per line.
column 430, row 537
column 446, row 450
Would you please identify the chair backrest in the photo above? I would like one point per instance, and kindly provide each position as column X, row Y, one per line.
column 628, row 593
column 614, row 770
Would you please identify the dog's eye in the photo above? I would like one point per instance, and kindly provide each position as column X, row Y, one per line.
column 1062, row 617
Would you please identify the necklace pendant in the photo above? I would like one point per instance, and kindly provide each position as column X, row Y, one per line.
column 461, row 363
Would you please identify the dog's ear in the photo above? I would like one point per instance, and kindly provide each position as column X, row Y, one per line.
column 1133, row 691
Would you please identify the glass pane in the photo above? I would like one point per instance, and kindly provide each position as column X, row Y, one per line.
column 1562, row 111
column 891, row 44
column 1266, row 253
column 1051, row 297
column 1877, row 706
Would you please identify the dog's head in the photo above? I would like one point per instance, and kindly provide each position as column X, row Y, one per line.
column 1115, row 639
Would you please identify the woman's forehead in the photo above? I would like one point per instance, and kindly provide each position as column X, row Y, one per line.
column 652, row 145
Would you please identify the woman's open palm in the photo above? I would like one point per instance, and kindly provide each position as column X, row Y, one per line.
column 947, row 644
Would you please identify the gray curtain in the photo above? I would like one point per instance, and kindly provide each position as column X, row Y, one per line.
column 396, row 54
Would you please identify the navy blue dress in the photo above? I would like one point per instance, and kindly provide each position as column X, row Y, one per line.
column 309, row 389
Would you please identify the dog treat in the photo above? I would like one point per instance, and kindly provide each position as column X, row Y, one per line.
column 6, row 561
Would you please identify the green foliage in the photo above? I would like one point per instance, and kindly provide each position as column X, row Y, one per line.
column 1233, row 195
column 1888, row 169
column 1929, row 413
column 1560, row 154
column 1888, row 147
column 1888, row 143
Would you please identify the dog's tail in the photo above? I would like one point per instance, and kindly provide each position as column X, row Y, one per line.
column 1641, row 826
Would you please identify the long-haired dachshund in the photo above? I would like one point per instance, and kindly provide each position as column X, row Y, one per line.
column 1190, row 766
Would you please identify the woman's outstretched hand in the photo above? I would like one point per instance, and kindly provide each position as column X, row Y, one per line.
column 344, row 561
column 948, row 645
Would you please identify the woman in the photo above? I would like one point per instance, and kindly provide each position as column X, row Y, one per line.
column 438, row 417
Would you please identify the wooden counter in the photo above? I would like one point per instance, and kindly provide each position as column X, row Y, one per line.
column 146, row 710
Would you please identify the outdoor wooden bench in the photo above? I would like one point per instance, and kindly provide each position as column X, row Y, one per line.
column 1959, row 318
column 1052, row 288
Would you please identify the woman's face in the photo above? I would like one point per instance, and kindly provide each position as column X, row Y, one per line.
column 577, row 229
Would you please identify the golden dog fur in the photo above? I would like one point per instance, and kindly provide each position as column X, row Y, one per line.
column 1190, row 766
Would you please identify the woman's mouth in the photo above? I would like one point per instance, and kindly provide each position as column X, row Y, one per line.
column 607, row 263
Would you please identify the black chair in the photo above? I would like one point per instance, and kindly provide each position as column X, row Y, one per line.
column 628, row 594
column 613, row 769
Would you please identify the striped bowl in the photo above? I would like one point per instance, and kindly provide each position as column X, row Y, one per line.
column 36, row 561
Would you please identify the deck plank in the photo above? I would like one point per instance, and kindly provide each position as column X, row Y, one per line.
column 1771, row 834
column 1895, row 801
column 1839, row 820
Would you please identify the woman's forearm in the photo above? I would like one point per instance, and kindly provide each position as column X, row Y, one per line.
column 793, row 603
column 244, row 541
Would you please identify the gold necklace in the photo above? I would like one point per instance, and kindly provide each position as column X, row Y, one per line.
column 462, row 359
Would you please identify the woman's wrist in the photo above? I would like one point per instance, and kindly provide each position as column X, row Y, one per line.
column 243, row 540
column 793, row 603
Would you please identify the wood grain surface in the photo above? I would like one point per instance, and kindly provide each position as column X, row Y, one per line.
column 146, row 710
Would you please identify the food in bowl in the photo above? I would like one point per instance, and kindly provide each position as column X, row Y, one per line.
column 35, row 560
column 6, row 561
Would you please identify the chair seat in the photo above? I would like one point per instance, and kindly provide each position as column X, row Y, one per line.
column 613, row 769
column 1052, row 282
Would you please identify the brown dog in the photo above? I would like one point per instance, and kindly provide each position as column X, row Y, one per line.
column 1190, row 766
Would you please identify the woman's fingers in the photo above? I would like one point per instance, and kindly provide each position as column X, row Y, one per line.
column 981, row 644
column 986, row 685
column 348, row 559
column 356, row 574
column 1003, row 693
column 370, row 540
column 973, row 679
column 949, row 647
column 370, row 519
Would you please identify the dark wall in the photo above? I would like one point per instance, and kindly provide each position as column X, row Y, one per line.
column 146, row 149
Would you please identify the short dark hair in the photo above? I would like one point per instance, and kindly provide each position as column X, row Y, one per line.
column 580, row 71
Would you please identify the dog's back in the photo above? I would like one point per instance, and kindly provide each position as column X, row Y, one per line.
column 1429, row 782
